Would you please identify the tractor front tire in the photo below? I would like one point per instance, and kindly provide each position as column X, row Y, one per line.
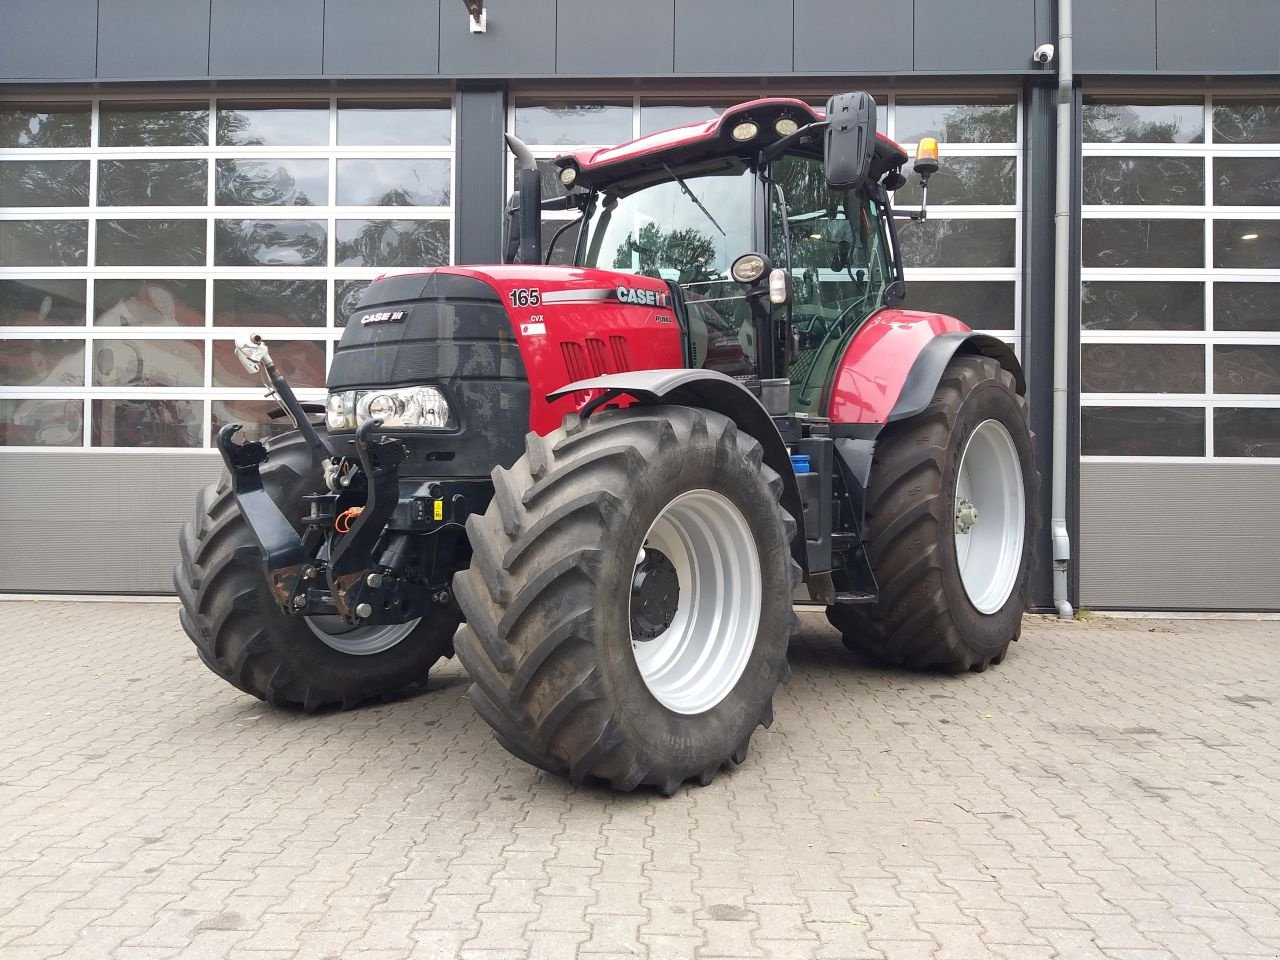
column 240, row 633
column 628, row 604
column 948, row 600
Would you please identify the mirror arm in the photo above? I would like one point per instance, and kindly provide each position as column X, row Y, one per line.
column 778, row 147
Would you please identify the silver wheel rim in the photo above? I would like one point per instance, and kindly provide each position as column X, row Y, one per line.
column 698, row 659
column 989, row 516
column 359, row 641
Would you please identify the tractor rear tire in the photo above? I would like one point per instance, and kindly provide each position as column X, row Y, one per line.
column 240, row 633
column 577, row 665
column 925, row 617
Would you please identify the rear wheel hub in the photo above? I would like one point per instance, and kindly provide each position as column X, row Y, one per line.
column 655, row 595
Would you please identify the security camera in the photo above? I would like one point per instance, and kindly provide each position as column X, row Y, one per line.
column 1044, row 53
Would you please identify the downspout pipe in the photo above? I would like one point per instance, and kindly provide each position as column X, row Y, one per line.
column 1061, row 539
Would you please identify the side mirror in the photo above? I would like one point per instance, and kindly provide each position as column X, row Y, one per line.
column 851, row 140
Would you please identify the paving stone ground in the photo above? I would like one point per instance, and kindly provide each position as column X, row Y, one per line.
column 1111, row 790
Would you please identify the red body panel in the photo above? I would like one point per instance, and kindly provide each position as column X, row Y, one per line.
column 870, row 375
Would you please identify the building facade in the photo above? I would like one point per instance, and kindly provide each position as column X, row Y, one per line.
column 194, row 169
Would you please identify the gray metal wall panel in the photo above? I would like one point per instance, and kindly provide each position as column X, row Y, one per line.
column 712, row 36
column 48, row 39
column 387, row 38
column 254, row 38
column 1226, row 36
column 836, row 36
column 153, row 38
column 1179, row 536
column 98, row 521
column 1115, row 36
column 615, row 37
column 481, row 175
column 1000, row 36
column 520, row 40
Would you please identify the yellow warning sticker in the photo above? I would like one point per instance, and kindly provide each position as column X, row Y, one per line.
column 437, row 510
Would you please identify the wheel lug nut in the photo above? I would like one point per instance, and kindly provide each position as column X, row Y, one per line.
column 363, row 610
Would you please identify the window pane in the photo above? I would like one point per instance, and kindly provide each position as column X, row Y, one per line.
column 393, row 123
column 44, row 125
column 147, row 423
column 42, row 363
column 568, row 122
column 251, row 414
column 268, row 303
column 1246, row 307
column 1143, row 243
column 148, row 363
column 153, row 124
column 1141, row 306
column 37, row 303
column 1141, row 368
column 663, row 116
column 280, row 183
column 41, row 423
column 565, row 245
column 958, row 243
column 393, row 183
column 154, row 243
column 1140, row 121
column 270, row 243
column 148, row 303
column 956, row 122
column 301, row 361
column 175, row 183
column 1246, row 121
column 1143, row 180
column 971, row 180
column 1246, row 244
column 1246, row 432
column 44, row 183
column 982, row 305
column 1246, row 181
column 43, row 243
column 346, row 298
column 271, row 124
column 392, row 243
column 1246, row 368
column 1142, row 431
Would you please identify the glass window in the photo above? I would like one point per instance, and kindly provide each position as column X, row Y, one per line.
column 44, row 125
column 44, row 183
column 301, row 361
column 1246, row 181
column 955, row 122
column 393, row 183
column 1144, row 305
column 560, row 249
column 148, row 363
column 655, row 117
column 1142, row 121
column 270, row 243
column 1246, row 368
column 151, row 243
column 983, row 305
column 1143, row 180
column 966, row 180
column 1246, row 120
column 268, row 124
column 1246, row 307
column 571, row 122
column 269, row 303
column 1141, row 368
column 41, row 363
column 280, row 183
column 252, row 415
column 1142, row 431
column 39, row 303
column 43, row 243
column 362, row 123
column 392, row 243
column 346, row 299
column 1246, row 244
column 148, row 303
column 1143, row 243
column 1246, row 432
column 132, row 124
column 41, row 423
column 941, row 242
column 158, row 183
column 147, row 423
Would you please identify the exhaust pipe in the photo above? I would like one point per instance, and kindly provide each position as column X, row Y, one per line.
column 529, row 189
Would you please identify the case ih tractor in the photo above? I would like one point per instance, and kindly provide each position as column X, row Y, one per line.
column 601, row 484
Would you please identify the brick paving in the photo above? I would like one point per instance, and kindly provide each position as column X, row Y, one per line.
column 1112, row 790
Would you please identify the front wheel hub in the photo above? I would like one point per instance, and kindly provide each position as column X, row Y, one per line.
column 655, row 595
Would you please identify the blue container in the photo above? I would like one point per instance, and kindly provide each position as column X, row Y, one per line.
column 800, row 462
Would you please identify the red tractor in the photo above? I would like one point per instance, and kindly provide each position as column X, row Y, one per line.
column 602, row 484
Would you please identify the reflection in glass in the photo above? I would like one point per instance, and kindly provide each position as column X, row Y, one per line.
column 572, row 122
column 1142, row 243
column 958, row 243
column 1246, row 181
column 42, row 363
column 392, row 123
column 1246, row 120
column 148, row 363
column 268, row 303
column 393, row 183
column 173, row 183
column 1138, row 121
column 663, row 116
column 549, row 174
column 1142, row 431
column 1246, row 432
column 1171, row 305
column 44, row 183
column 983, row 305
column 167, row 124
column 392, row 243
column 1246, row 306
column 301, row 361
column 41, row 423
column 151, row 243
column 1143, row 180
column 1246, row 368
column 270, row 243
column 147, row 423
column 251, row 415
column 1246, row 244
column 280, row 183
column 148, row 303
column 1141, row 368
column 346, row 299
column 43, row 243
column 955, row 122
column 966, row 180
column 38, row 303
column 282, row 123
column 44, row 125
column 564, row 245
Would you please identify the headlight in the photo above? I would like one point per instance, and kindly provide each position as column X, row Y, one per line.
column 419, row 407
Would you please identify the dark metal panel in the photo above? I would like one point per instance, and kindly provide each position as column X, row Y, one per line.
column 998, row 35
column 153, row 38
column 713, row 36
column 865, row 36
column 1226, row 36
column 387, row 38
column 616, row 37
column 481, row 166
column 48, row 39
column 253, row 38
column 520, row 39
column 1115, row 36
column 1046, row 22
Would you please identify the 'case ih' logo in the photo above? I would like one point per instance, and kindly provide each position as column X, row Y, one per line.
column 643, row 298
column 386, row 316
